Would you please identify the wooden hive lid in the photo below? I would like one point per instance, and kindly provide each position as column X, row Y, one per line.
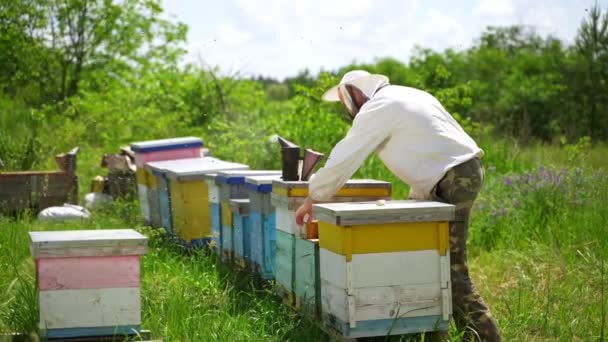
column 238, row 176
column 101, row 242
column 261, row 183
column 351, row 183
column 357, row 213
column 240, row 206
column 166, row 144
column 195, row 168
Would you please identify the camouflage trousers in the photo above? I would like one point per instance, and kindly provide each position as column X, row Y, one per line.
column 460, row 186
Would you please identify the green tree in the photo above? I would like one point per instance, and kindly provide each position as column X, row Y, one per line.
column 592, row 47
column 58, row 44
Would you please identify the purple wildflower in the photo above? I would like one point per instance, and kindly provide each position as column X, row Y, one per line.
column 508, row 181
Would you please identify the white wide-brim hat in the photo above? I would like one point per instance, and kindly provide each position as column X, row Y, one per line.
column 363, row 80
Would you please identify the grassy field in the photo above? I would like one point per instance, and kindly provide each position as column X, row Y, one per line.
column 537, row 251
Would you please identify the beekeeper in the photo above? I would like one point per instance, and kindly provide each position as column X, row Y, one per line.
column 422, row 144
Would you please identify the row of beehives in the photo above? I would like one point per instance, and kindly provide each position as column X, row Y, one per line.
column 373, row 269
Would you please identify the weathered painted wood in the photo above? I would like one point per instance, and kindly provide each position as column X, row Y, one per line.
column 256, row 221
column 307, row 275
column 293, row 203
column 214, row 190
column 242, row 238
column 195, row 169
column 142, row 193
column 240, row 206
column 88, row 273
column 231, row 185
column 270, row 238
column 227, row 235
column 284, row 262
column 190, row 210
column 142, row 147
column 386, row 302
column 286, row 222
column 90, row 252
column 216, row 219
column 126, row 241
column 164, row 199
column 360, row 213
column 89, row 308
column 154, row 203
column 74, row 334
column 263, row 243
column 387, row 327
column 382, row 269
column 385, row 237
column 259, row 190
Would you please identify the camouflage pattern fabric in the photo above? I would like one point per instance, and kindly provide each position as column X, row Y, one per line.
column 460, row 186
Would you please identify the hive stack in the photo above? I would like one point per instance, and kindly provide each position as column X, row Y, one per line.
column 263, row 224
column 231, row 185
column 190, row 207
column 158, row 150
column 242, row 232
column 88, row 282
column 296, row 276
column 385, row 269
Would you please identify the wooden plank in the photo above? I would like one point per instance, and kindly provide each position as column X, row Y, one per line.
column 382, row 302
column 214, row 191
column 87, row 238
column 89, row 308
column 240, row 206
column 390, row 211
column 269, row 241
column 198, row 174
column 142, row 192
column 104, row 334
column 256, row 222
column 241, row 234
column 351, row 183
column 286, row 221
column 381, row 269
column 377, row 328
column 89, row 252
column 307, row 278
column 88, row 273
column 382, row 238
column 284, row 262
column 141, row 147
column 58, row 243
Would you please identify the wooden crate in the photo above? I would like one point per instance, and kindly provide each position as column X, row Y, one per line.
column 242, row 232
column 37, row 190
column 262, row 220
column 231, row 185
column 190, row 207
column 88, row 281
column 385, row 269
column 159, row 150
column 286, row 197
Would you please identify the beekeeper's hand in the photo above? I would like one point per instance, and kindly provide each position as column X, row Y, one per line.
column 304, row 212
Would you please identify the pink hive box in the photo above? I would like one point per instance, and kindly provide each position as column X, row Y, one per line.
column 159, row 150
column 88, row 282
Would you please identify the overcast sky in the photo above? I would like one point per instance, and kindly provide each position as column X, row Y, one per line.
column 278, row 38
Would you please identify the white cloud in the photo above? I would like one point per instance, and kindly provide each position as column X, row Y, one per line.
column 281, row 37
column 232, row 36
column 495, row 8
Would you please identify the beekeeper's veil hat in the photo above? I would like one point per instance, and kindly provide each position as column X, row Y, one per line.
column 363, row 80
